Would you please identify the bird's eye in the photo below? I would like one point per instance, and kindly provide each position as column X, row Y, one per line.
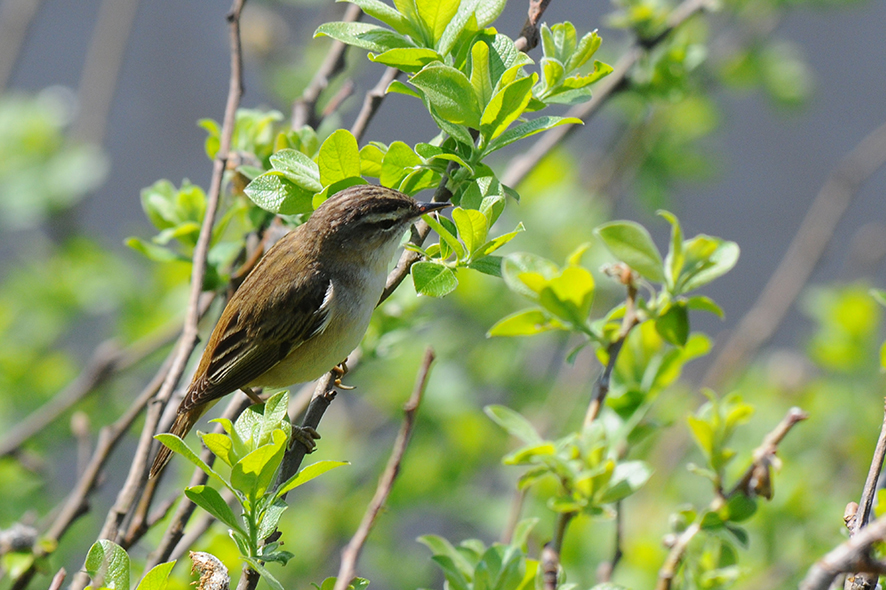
column 386, row 223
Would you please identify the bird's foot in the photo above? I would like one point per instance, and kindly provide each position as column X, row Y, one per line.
column 256, row 398
column 305, row 435
column 340, row 371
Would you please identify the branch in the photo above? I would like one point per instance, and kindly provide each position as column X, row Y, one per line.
column 372, row 101
column 805, row 250
column 528, row 38
column 351, row 552
column 15, row 19
column 138, row 472
column 107, row 361
column 521, row 165
column 304, row 109
column 626, row 276
column 862, row 514
column 851, row 556
column 755, row 482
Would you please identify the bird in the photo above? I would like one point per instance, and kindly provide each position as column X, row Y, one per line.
column 306, row 304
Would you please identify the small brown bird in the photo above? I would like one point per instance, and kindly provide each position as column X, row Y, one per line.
column 306, row 304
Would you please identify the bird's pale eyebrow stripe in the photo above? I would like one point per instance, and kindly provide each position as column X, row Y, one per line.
column 376, row 217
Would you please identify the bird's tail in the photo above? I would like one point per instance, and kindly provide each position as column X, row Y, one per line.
column 181, row 427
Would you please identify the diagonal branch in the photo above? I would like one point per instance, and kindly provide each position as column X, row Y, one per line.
column 787, row 281
column 351, row 552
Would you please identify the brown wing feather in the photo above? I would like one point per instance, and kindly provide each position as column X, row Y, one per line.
column 250, row 337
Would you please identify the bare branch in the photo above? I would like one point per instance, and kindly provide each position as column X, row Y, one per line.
column 351, row 552
column 372, row 101
column 528, row 38
column 851, row 556
column 304, row 109
column 754, row 482
column 862, row 512
column 15, row 18
column 805, row 250
column 58, row 579
column 626, row 276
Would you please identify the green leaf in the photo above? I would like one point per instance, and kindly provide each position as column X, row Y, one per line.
column 584, row 51
column 703, row 303
column 526, row 129
column 496, row 243
column 457, row 25
column 674, row 260
column 703, row 433
column 399, row 87
column 271, row 518
column 211, row 501
column 631, row 243
column 269, row 578
column 157, row 578
column 505, row 106
column 515, row 266
column 447, row 236
column 702, row 267
column 307, row 474
column 221, row 446
column 154, row 252
column 524, row 323
column 574, row 287
column 488, row 11
column 298, row 168
column 472, row 228
column 274, row 192
column 371, row 157
column 177, row 445
column 398, row 163
column 407, row 59
column 673, row 325
column 433, row 279
column 450, row 93
column 364, row 35
column 490, row 265
column 514, row 423
column 108, row 565
column 254, row 473
column 627, row 478
column 436, row 14
column 381, row 11
column 339, row 157
column 481, row 79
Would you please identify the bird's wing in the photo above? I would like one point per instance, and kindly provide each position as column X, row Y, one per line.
column 248, row 342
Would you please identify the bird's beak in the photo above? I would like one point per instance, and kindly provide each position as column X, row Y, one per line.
column 431, row 207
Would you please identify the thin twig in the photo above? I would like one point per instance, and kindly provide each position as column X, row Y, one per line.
column 851, row 556
column 865, row 506
column 58, row 579
column 805, row 250
column 372, row 101
column 107, row 361
column 528, row 38
column 304, row 109
column 75, row 504
column 101, row 69
column 630, row 319
column 126, row 499
column 15, row 19
column 521, row 165
column 551, row 552
column 754, row 482
column 351, row 552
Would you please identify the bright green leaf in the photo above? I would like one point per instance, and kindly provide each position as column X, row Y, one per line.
column 472, row 228
column 631, row 243
column 339, row 157
column 450, row 93
column 407, row 59
column 514, row 423
column 524, row 323
column 274, row 192
column 177, row 445
column 308, row 473
column 433, row 279
column 364, row 35
column 505, row 106
column 157, row 578
column 526, row 129
column 108, row 565
column 211, row 501
column 673, row 325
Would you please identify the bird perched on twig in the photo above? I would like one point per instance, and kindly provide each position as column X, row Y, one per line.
column 306, row 304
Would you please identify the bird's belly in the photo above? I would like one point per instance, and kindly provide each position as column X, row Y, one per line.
column 327, row 349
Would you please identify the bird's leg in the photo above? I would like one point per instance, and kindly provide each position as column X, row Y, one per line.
column 256, row 399
column 306, row 436
column 340, row 371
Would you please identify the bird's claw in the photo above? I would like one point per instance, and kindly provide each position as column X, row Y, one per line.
column 306, row 435
column 340, row 371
